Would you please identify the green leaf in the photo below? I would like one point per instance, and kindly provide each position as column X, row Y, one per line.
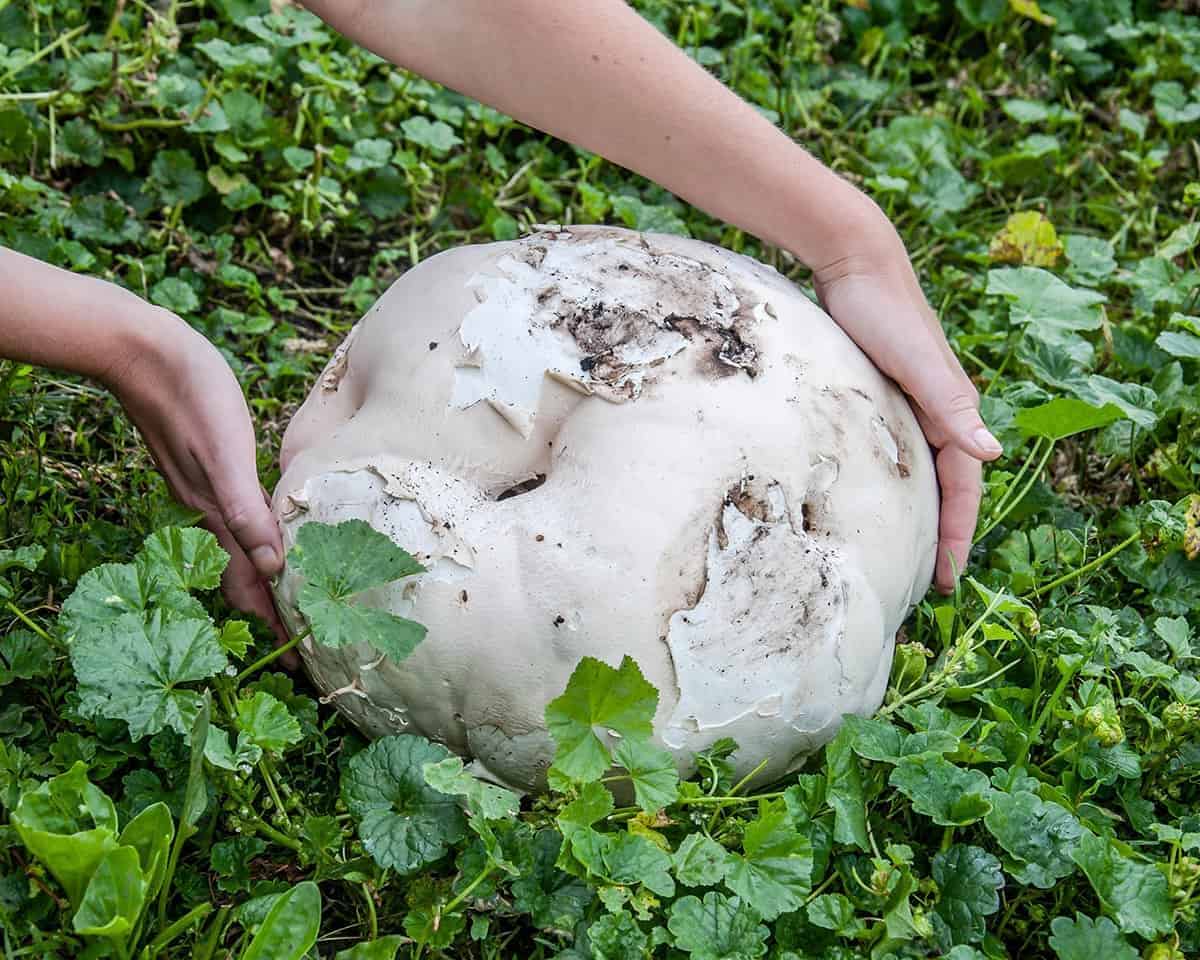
column 844, row 791
column 1134, row 893
column 553, row 898
column 266, row 722
column 774, row 871
column 174, row 177
column 1038, row 835
column 483, row 799
column 339, row 562
column 701, row 861
column 133, row 671
column 385, row 948
column 230, row 860
column 950, row 795
column 114, row 897
column 653, row 773
column 1040, row 299
column 290, row 928
column 1175, row 633
column 236, row 638
column 631, row 859
column 597, row 696
column 186, row 558
column 175, row 295
column 1183, row 345
column 23, row 656
column 833, row 911
column 1086, row 939
column 617, row 936
column 219, row 752
column 881, row 740
column 717, row 928
column 1064, row 417
column 433, row 928
column 436, row 135
column 69, row 824
column 150, row 834
column 575, row 820
column 404, row 823
column 969, row 881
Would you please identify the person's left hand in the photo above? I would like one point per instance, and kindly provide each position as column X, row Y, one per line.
column 184, row 399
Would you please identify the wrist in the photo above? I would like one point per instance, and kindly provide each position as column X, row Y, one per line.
column 143, row 339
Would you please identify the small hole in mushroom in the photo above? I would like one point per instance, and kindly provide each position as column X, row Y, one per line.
column 805, row 517
column 525, row 486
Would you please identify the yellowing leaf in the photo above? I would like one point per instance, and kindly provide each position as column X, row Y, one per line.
column 1030, row 9
column 1191, row 537
column 1028, row 239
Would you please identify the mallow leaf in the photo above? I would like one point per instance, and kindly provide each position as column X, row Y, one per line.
column 774, row 871
column 717, row 928
column 700, row 861
column 134, row 670
column 112, row 590
column 267, row 723
column 948, row 794
column 187, row 558
column 339, row 562
column 23, row 656
column 402, row 821
column 652, row 771
column 1064, row 417
column 598, row 699
column 483, row 799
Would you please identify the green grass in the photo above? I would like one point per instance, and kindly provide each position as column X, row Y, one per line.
column 268, row 186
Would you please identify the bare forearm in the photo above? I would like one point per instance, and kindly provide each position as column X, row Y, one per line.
column 54, row 318
column 595, row 73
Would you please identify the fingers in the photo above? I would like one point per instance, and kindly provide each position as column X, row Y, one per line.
column 245, row 512
column 245, row 591
column 960, row 479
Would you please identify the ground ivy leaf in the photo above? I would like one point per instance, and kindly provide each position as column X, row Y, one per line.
column 1134, row 893
column 340, row 561
column 1064, row 417
column 230, row 860
column 844, row 791
column 653, row 773
column 267, row 722
column 187, row 558
column 23, row 656
column 597, row 696
column 969, row 880
column 133, row 671
column 553, row 899
column 717, row 928
column 1038, row 835
column 833, row 911
column 403, row 822
column 948, row 794
column 773, row 873
column 616, row 936
column 1086, row 939
column 700, row 861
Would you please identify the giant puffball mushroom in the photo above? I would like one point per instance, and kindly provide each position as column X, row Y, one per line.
column 600, row 443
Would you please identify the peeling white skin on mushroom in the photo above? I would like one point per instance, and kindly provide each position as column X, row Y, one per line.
column 592, row 529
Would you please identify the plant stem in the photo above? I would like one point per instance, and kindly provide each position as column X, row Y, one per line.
column 269, row 658
column 372, row 918
column 20, row 615
column 205, row 950
column 192, row 917
column 1086, row 568
column 1011, row 500
column 259, row 825
column 466, row 892
column 44, row 52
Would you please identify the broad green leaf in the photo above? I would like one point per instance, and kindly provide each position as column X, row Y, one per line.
column 241, row 755
column 186, row 558
column 717, row 928
column 230, row 859
column 1038, row 835
column 22, row 558
column 599, row 699
column 1135, row 400
column 23, row 656
column 969, row 881
column 69, row 824
column 552, row 898
column 483, row 799
column 150, row 834
column 1086, row 939
column 617, row 936
column 948, row 794
column 701, row 861
column 630, row 859
column 844, row 791
column 1044, row 302
column 236, row 638
column 436, row 135
column 290, row 928
column 134, row 671
column 339, row 562
column 110, row 591
column 1132, row 892
column 1175, row 633
column 114, row 896
column 833, row 911
column 773, row 873
column 433, row 928
column 653, row 773
column 575, row 820
column 1089, row 259
column 1183, row 345
column 385, row 948
column 403, row 822
column 267, row 723
column 1064, row 417
column 881, row 740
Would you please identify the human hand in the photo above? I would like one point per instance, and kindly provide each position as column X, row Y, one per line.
column 187, row 404
column 873, row 294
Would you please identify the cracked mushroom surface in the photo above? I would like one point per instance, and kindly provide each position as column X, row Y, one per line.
column 599, row 443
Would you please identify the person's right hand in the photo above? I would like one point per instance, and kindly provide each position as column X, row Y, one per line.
column 184, row 399
column 873, row 294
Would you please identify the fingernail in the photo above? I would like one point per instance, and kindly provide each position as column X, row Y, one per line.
column 265, row 559
column 985, row 441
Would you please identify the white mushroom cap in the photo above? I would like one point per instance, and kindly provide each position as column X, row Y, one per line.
column 605, row 443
